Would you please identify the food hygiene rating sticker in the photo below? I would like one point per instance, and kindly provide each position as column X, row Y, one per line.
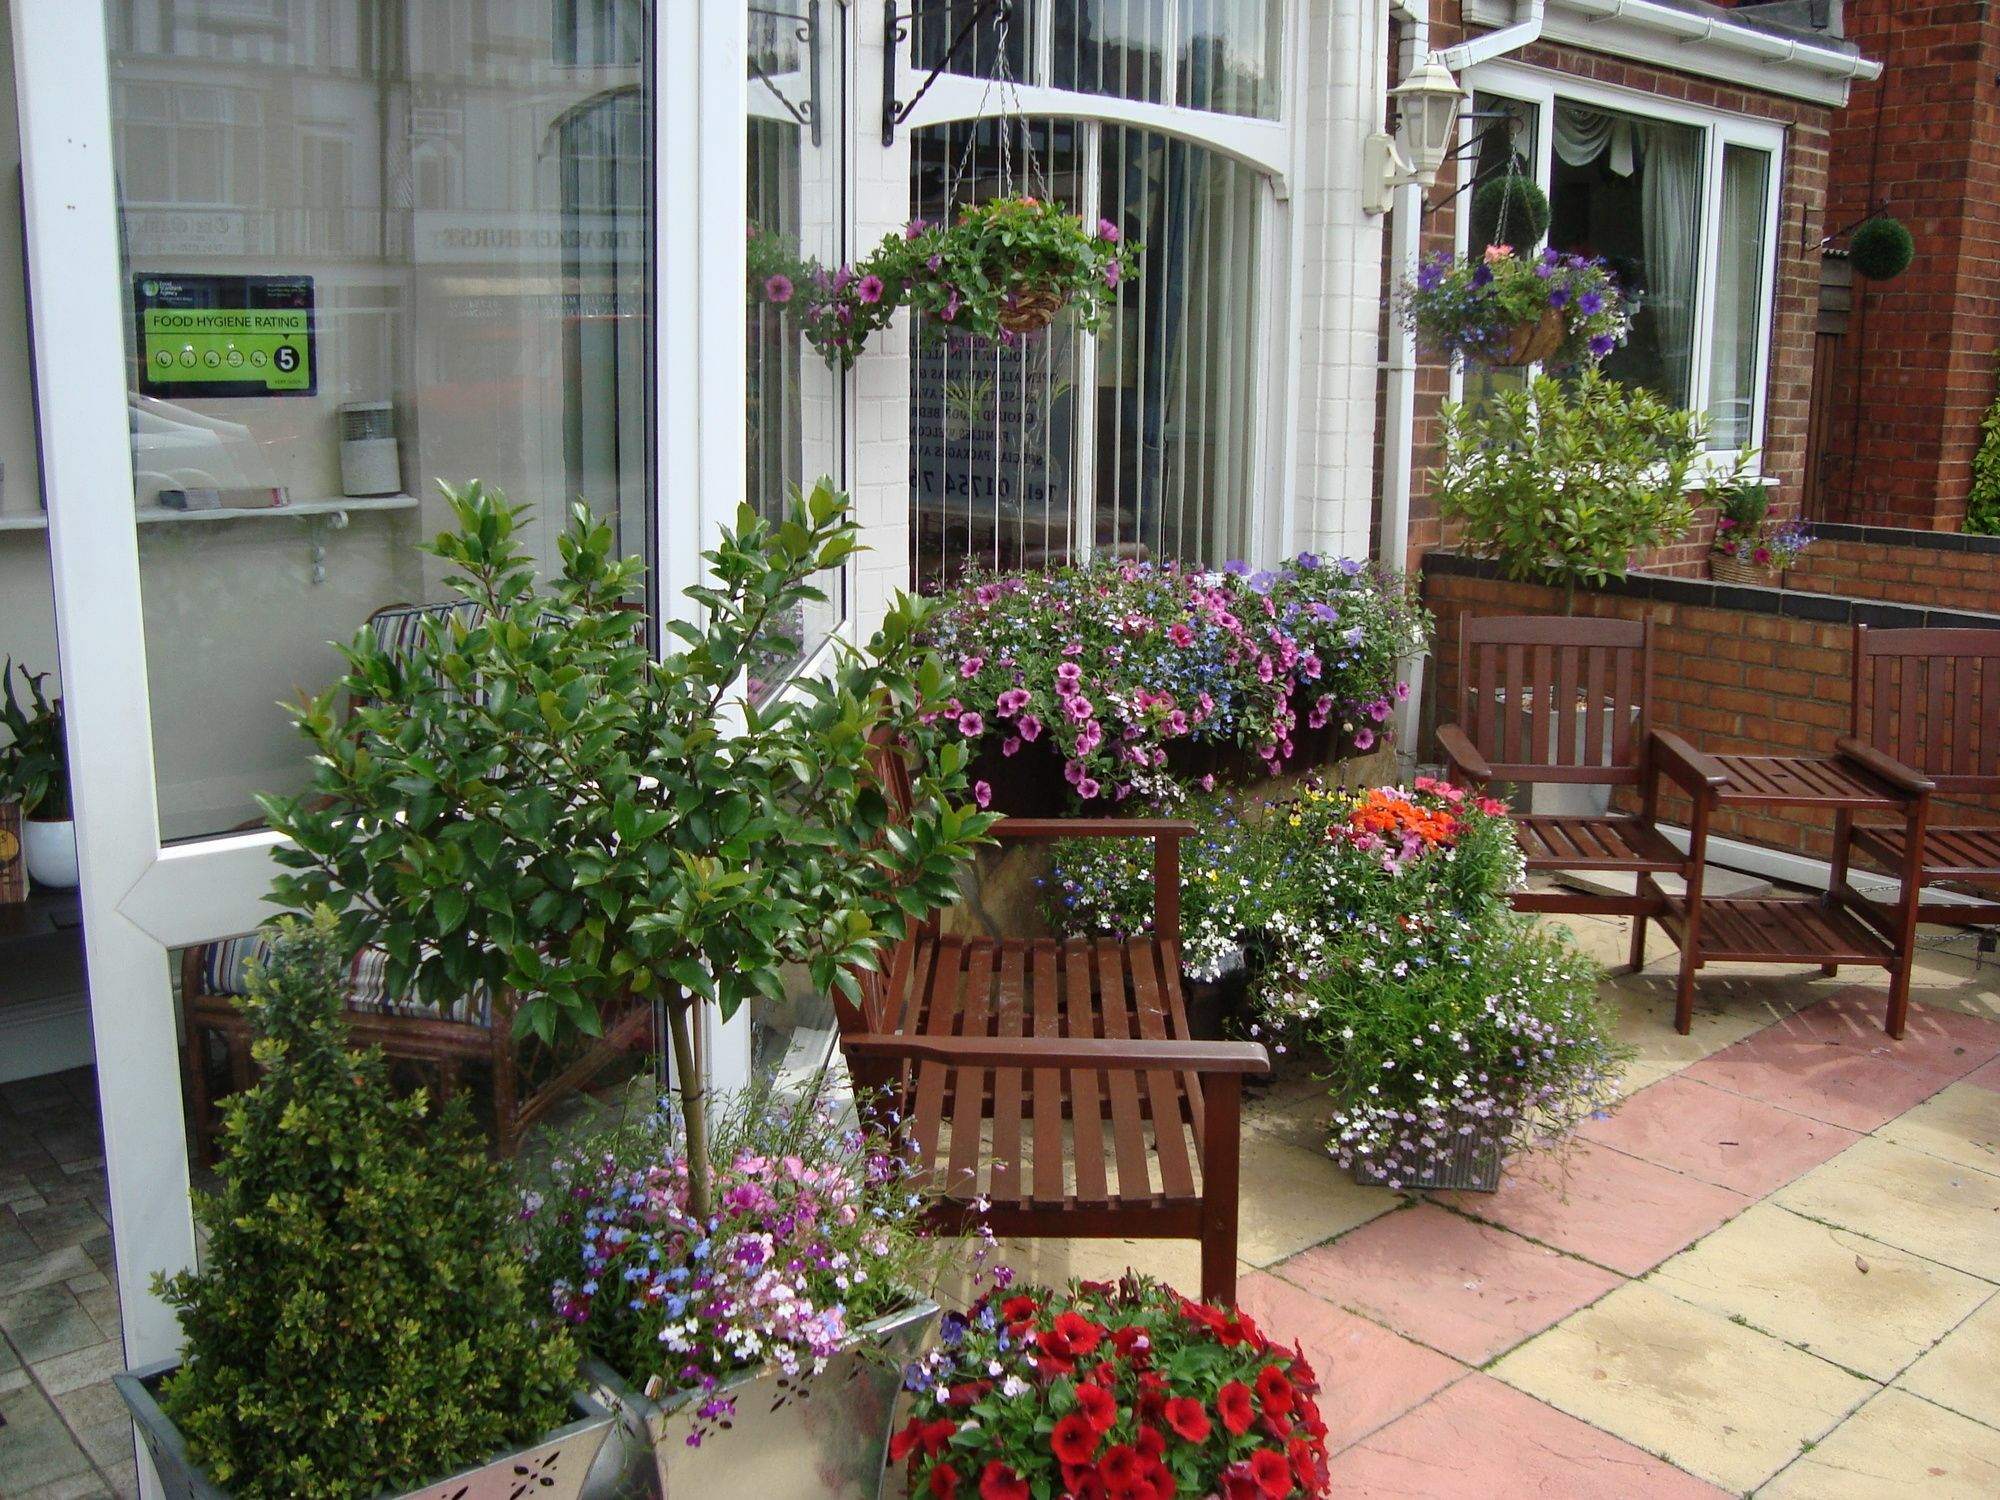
column 225, row 335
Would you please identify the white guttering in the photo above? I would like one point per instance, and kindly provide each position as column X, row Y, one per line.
column 1399, row 413
column 1526, row 28
column 1650, row 32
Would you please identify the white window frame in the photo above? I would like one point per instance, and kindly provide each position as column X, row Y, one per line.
column 1542, row 88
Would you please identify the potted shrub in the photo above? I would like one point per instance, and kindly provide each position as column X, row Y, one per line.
column 362, row 1323
column 1103, row 1390
column 1503, row 309
column 34, row 776
column 784, row 1317
column 533, row 802
column 1565, row 482
column 1457, row 1030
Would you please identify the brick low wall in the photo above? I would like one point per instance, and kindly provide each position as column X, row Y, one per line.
column 1948, row 570
column 1756, row 671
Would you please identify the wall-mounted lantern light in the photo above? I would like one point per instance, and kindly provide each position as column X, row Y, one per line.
column 1427, row 102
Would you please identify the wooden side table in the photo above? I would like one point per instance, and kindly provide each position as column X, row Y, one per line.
column 1823, row 930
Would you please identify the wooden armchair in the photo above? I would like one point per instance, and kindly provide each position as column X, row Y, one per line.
column 1567, row 701
column 477, row 1029
column 1926, row 719
column 1057, row 1079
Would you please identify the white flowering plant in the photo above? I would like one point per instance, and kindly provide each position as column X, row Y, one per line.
column 817, row 1228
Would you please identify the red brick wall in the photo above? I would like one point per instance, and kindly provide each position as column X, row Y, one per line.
column 1916, row 366
column 1796, row 305
column 1935, row 578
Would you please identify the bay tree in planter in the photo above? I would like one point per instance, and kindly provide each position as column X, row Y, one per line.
column 362, row 1324
column 533, row 802
column 1564, row 481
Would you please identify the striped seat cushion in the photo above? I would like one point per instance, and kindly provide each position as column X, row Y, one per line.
column 225, row 970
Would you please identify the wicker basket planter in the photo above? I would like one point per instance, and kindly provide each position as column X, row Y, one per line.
column 1032, row 310
column 554, row 1467
column 1533, row 342
column 1724, row 569
column 824, row 1440
column 1471, row 1164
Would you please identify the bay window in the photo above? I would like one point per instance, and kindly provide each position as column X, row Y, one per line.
column 1680, row 202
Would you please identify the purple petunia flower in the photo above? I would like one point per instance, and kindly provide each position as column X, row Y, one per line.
column 1482, row 275
column 1430, row 276
column 1602, row 345
column 1589, row 303
column 870, row 289
column 1106, row 230
column 1558, row 296
column 914, row 228
column 1112, row 271
column 1235, row 565
column 778, row 288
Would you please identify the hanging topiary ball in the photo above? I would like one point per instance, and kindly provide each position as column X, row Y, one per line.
column 1511, row 210
column 1881, row 248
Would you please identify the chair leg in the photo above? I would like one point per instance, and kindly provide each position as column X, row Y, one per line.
column 1638, row 957
column 1909, row 905
column 1220, row 1186
column 201, row 1108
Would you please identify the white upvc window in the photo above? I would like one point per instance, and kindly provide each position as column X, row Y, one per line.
column 1682, row 201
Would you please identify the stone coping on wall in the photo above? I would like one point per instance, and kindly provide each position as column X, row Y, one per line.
column 1907, row 536
column 1831, row 609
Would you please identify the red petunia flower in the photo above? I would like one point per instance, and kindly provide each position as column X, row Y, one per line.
column 943, row 1482
column 1187, row 1418
column 1151, row 1442
column 937, row 1434
column 1272, row 1473
column 1156, row 1481
column 906, row 1442
column 1098, row 1405
column 1083, row 1484
column 1133, row 1342
column 1074, row 1441
column 1308, row 1465
column 999, row 1482
column 1239, row 1483
column 1232, row 1402
column 1120, row 1468
column 1081, row 1334
column 1018, row 1310
column 1275, row 1424
column 1105, row 1373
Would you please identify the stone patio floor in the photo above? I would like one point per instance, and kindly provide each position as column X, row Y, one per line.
column 1775, row 1270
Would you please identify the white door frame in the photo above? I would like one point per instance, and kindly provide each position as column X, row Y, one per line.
column 141, row 898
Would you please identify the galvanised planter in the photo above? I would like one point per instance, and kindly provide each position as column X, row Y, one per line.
column 823, row 1439
column 1472, row 1164
column 550, row 1468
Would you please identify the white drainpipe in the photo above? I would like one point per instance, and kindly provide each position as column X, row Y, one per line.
column 1405, row 223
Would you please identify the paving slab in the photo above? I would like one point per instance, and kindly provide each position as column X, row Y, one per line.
column 1834, row 1293
column 1372, row 1376
column 1987, row 1077
column 1482, row 1438
column 1718, row 1136
column 1467, row 1290
column 35, row 1447
column 1719, row 1400
column 1909, row 1199
column 1603, row 1205
column 1833, row 1061
column 1293, row 1198
column 1960, row 1124
column 1961, row 1371
column 1896, row 1445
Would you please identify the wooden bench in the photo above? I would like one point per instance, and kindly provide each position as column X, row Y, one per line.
column 1051, row 1088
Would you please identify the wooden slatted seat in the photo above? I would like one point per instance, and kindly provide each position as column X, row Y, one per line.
column 1056, row 1080
column 1925, row 719
column 1568, row 701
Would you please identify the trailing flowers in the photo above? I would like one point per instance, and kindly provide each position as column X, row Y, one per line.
column 1473, row 307
column 1128, row 1391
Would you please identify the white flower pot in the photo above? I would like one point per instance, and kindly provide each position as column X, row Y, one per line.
column 51, row 851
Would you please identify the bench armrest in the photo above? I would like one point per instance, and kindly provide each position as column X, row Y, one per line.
column 1462, row 754
column 1681, row 762
column 1124, row 1055
column 1093, row 828
column 1891, row 770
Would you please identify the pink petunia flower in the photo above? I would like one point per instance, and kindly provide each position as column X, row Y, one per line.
column 870, row 289
column 1364, row 738
column 982, row 793
column 1112, row 271
column 971, row 666
column 1030, row 727
column 971, row 725
column 910, row 231
column 778, row 289
column 1106, row 230
column 1011, row 745
column 1087, row 788
column 1181, row 635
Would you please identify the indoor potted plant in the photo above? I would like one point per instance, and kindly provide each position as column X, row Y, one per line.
column 533, row 802
column 1100, row 1390
column 785, row 1316
column 362, row 1324
column 1500, row 308
column 34, row 775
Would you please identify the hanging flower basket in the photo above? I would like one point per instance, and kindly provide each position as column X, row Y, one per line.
column 1503, row 309
column 1032, row 310
column 1531, row 343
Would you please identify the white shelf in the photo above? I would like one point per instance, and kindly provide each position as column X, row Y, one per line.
column 155, row 513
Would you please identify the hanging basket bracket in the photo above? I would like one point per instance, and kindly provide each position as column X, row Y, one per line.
column 896, row 30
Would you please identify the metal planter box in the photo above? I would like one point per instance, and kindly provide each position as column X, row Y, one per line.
column 826, row 1441
column 1471, row 1165
column 550, row 1468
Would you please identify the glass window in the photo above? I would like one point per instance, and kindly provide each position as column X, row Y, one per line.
column 1630, row 190
column 365, row 248
column 1150, row 429
column 1739, row 296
